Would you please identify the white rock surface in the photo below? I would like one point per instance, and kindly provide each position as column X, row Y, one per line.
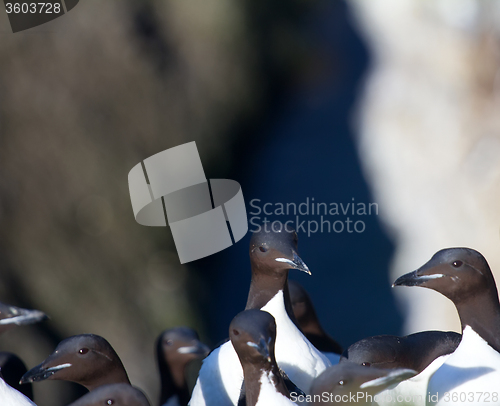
column 429, row 135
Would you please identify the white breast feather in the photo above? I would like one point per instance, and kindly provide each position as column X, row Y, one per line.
column 221, row 375
column 268, row 395
column 11, row 397
column 474, row 367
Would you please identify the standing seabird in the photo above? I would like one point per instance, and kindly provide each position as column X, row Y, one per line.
column 118, row 394
column 348, row 384
column 86, row 359
column 273, row 252
column 308, row 321
column 464, row 277
column 253, row 336
column 175, row 349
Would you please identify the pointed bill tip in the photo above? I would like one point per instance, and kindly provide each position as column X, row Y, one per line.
column 300, row 265
column 296, row 263
column 416, row 278
column 40, row 373
column 409, row 279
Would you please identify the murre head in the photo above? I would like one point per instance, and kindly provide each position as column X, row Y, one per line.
column 348, row 378
column 175, row 349
column 274, row 249
column 253, row 335
column 86, row 359
column 458, row 273
column 179, row 346
column 11, row 316
column 118, row 394
column 377, row 351
column 415, row 351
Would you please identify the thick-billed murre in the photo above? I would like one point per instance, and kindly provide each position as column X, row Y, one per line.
column 464, row 277
column 175, row 349
column 253, row 336
column 273, row 252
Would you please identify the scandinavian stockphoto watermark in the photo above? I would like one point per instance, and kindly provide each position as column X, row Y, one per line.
column 310, row 216
column 205, row 216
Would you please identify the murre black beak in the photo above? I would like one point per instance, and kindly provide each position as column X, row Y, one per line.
column 198, row 349
column 262, row 347
column 394, row 376
column 416, row 278
column 296, row 263
column 40, row 373
column 11, row 315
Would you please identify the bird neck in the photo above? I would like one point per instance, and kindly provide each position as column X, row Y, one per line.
column 173, row 383
column 264, row 287
column 115, row 375
column 255, row 376
column 265, row 284
column 482, row 314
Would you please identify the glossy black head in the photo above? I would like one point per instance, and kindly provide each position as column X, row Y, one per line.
column 86, row 359
column 113, row 395
column 176, row 347
column 377, row 351
column 253, row 335
column 347, row 378
column 274, row 249
column 11, row 316
column 458, row 273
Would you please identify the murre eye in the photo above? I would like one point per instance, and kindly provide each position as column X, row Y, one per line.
column 170, row 342
column 457, row 264
column 262, row 249
column 366, row 364
column 236, row 332
column 83, row 351
column 341, row 383
column 110, row 401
